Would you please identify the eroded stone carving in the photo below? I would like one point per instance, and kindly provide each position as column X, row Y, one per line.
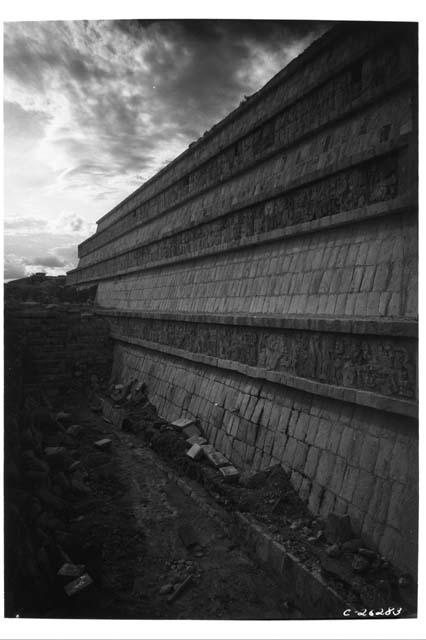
column 385, row 366
column 341, row 192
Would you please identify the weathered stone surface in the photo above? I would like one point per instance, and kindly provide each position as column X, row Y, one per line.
column 216, row 458
column 338, row 528
column 78, row 585
column 69, row 570
column 191, row 431
column 195, row 452
column 183, row 423
column 361, row 362
column 195, row 439
column 230, row 473
column 74, row 430
column 57, row 457
column 283, row 293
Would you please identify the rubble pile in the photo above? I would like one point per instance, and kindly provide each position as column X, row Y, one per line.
column 327, row 544
column 43, row 479
column 59, row 478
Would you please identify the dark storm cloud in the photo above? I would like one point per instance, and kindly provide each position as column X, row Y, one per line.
column 94, row 108
column 201, row 69
column 133, row 86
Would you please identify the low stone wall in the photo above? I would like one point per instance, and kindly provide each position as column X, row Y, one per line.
column 52, row 347
column 341, row 456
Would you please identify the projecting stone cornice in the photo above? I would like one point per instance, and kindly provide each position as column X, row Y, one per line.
column 369, row 399
column 397, row 327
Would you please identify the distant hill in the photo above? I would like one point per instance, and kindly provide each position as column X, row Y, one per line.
column 40, row 287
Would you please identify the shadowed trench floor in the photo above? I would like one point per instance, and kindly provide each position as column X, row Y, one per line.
column 140, row 536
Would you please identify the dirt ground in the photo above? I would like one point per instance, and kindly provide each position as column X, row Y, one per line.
column 140, row 536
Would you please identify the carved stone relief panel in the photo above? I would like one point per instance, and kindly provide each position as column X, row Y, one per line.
column 383, row 365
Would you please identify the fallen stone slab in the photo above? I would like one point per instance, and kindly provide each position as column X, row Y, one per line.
column 114, row 413
column 69, row 570
column 179, row 589
column 181, row 423
column 63, row 417
column 195, row 452
column 230, row 473
column 216, row 458
column 192, row 430
column 208, row 448
column 166, row 589
column 74, row 430
column 104, row 444
column 81, row 583
column 196, row 440
column 56, row 457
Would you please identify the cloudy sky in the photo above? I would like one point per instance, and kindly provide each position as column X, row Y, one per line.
column 94, row 108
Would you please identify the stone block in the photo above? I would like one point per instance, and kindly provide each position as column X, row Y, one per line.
column 379, row 501
column 302, row 426
column 239, row 451
column 311, row 433
column 323, row 434
column 269, row 441
column 325, row 468
column 300, row 456
column 191, row 431
column 229, row 473
column 311, row 461
column 334, row 439
column 296, row 479
column 57, row 457
column 195, row 452
column 216, row 458
column 346, row 442
column 78, row 585
column 182, row 423
column 336, row 479
column 69, row 570
column 315, row 498
column 369, row 452
column 251, row 432
column 279, row 445
column 104, row 444
column 74, row 430
column 349, row 483
column 257, row 411
column 384, row 456
column 327, row 503
column 284, row 418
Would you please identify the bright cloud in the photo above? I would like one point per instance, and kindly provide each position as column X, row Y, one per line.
column 93, row 109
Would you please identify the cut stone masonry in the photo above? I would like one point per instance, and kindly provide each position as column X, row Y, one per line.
column 265, row 282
